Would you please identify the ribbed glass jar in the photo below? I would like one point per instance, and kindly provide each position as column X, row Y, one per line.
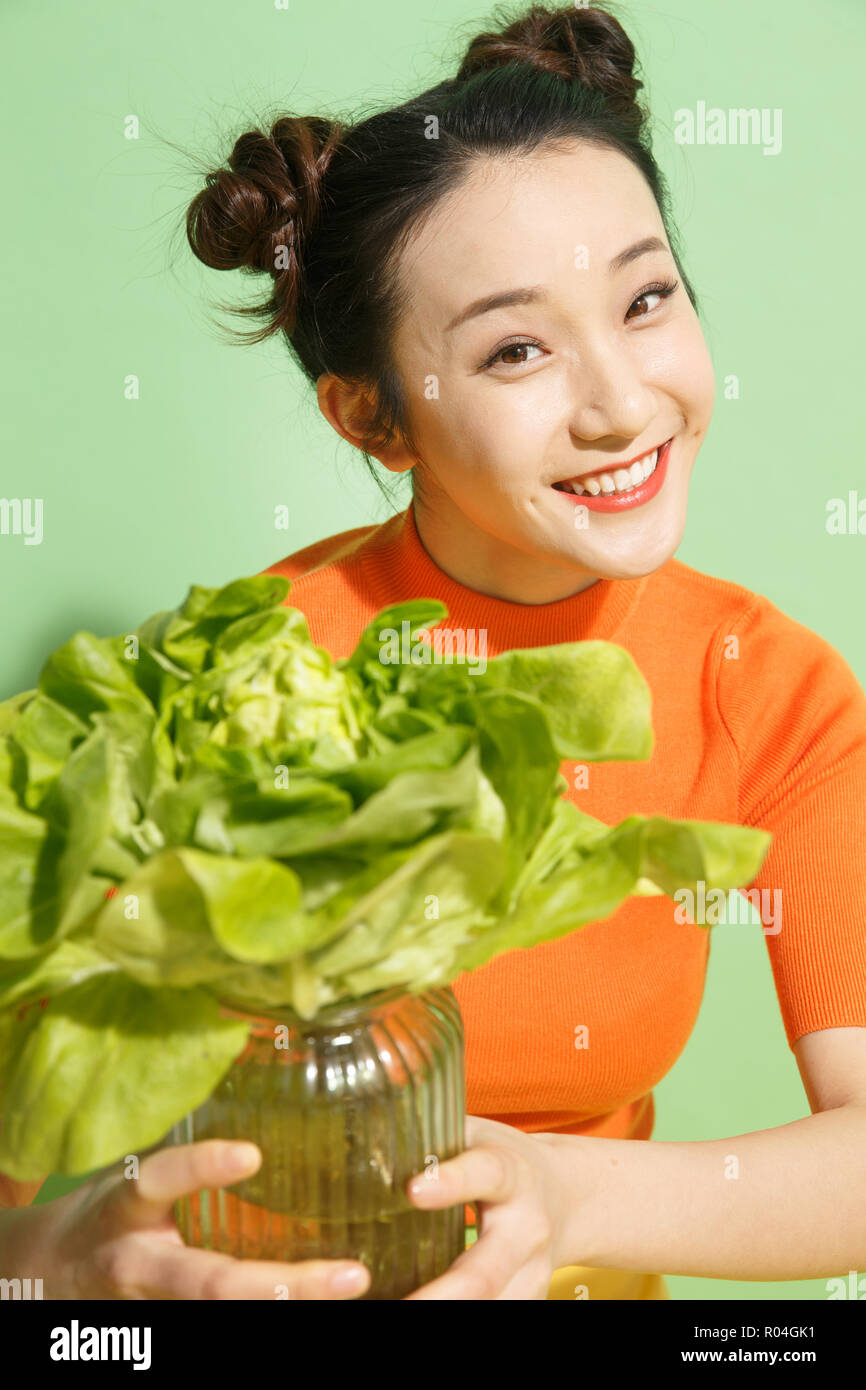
column 345, row 1109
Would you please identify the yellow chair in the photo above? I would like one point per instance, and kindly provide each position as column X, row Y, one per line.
column 583, row 1282
column 578, row 1282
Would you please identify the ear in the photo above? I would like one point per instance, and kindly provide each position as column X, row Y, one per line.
column 347, row 409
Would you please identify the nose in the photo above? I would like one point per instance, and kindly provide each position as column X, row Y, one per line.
column 610, row 394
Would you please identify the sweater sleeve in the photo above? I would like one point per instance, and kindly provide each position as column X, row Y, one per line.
column 796, row 714
column 17, row 1194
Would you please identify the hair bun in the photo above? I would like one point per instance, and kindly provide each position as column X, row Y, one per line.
column 267, row 199
column 586, row 44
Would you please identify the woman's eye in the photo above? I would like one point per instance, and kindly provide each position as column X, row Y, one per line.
column 658, row 292
column 511, row 347
column 642, row 298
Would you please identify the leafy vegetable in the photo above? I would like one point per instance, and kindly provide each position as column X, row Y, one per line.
column 212, row 811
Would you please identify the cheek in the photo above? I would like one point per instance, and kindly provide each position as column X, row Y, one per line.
column 682, row 370
column 705, row 381
column 695, row 377
column 469, row 438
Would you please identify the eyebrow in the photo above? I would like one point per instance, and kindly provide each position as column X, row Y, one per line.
column 531, row 294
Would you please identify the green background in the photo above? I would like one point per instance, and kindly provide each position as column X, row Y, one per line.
column 143, row 497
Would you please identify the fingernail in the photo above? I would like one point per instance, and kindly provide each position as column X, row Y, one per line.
column 348, row 1280
column 241, row 1157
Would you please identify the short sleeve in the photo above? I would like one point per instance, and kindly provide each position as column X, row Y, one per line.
column 17, row 1194
column 796, row 714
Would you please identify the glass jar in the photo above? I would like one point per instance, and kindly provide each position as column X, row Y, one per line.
column 345, row 1108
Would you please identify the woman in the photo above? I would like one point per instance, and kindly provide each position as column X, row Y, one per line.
column 484, row 287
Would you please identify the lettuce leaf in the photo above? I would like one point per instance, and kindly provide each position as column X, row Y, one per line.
column 105, row 1069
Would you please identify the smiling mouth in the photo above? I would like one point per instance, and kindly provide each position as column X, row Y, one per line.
column 624, row 477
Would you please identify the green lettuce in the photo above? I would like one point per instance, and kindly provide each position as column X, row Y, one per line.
column 212, row 811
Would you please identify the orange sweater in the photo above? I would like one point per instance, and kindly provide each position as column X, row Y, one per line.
column 757, row 720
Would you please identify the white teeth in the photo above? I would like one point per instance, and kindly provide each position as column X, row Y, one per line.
column 621, row 480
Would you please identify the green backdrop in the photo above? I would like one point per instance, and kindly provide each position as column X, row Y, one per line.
column 142, row 497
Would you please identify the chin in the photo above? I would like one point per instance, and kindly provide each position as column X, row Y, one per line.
column 641, row 561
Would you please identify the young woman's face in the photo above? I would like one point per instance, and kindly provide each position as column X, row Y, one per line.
column 596, row 371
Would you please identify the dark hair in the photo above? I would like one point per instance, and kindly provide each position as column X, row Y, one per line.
column 325, row 208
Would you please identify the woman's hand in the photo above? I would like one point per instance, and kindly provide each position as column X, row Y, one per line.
column 522, row 1205
column 116, row 1238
